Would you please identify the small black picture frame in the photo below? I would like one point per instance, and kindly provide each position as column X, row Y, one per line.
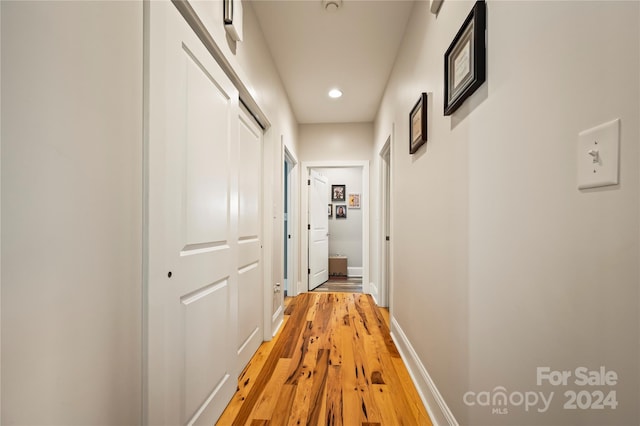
column 341, row 211
column 330, row 210
column 418, row 124
column 338, row 192
column 227, row 11
column 465, row 59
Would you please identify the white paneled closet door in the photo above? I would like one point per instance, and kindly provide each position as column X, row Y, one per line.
column 250, row 284
column 193, row 240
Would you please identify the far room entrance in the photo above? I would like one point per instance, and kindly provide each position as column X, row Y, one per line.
column 337, row 208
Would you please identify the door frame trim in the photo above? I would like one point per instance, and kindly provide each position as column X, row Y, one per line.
column 384, row 253
column 292, row 220
column 304, row 218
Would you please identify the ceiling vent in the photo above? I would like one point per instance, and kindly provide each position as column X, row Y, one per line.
column 331, row 5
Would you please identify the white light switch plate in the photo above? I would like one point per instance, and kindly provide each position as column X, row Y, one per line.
column 598, row 155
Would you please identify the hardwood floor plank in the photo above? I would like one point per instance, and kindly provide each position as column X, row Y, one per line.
column 248, row 377
column 304, row 384
column 360, row 303
column 298, row 316
column 298, row 367
column 364, row 367
column 374, row 366
column 403, row 412
column 382, row 395
column 322, row 320
column 318, row 387
column 290, row 304
column 384, row 313
column 333, row 363
column 413, row 399
column 334, row 403
column 291, row 329
column 350, row 394
column 270, row 396
column 333, row 334
column 385, row 331
column 286, row 398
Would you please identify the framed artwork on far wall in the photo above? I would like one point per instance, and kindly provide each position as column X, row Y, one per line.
column 330, row 210
column 354, row 201
column 341, row 211
column 418, row 124
column 465, row 59
column 338, row 192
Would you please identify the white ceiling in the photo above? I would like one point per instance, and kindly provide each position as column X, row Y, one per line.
column 352, row 49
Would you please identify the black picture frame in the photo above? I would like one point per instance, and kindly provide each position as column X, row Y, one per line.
column 338, row 192
column 227, row 11
column 341, row 211
column 465, row 61
column 330, row 210
column 418, row 124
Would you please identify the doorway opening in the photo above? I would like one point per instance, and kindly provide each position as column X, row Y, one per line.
column 346, row 212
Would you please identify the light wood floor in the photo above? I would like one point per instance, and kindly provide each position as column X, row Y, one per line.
column 333, row 363
column 339, row 284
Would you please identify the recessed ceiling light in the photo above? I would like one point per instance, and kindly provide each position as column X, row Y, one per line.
column 335, row 93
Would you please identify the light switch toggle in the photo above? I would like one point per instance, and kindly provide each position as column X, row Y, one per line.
column 599, row 155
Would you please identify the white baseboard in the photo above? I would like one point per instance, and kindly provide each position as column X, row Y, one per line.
column 276, row 320
column 373, row 291
column 276, row 328
column 436, row 406
column 354, row 271
column 276, row 314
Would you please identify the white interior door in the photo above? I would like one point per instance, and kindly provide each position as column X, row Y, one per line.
column 250, row 288
column 193, row 252
column 319, row 230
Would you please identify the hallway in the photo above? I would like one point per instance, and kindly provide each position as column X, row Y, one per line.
column 150, row 230
column 333, row 363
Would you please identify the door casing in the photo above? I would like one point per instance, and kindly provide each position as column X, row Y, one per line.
column 384, row 203
column 292, row 222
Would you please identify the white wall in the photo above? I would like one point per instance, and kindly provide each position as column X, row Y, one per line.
column 335, row 142
column 71, row 212
column 505, row 266
column 345, row 235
